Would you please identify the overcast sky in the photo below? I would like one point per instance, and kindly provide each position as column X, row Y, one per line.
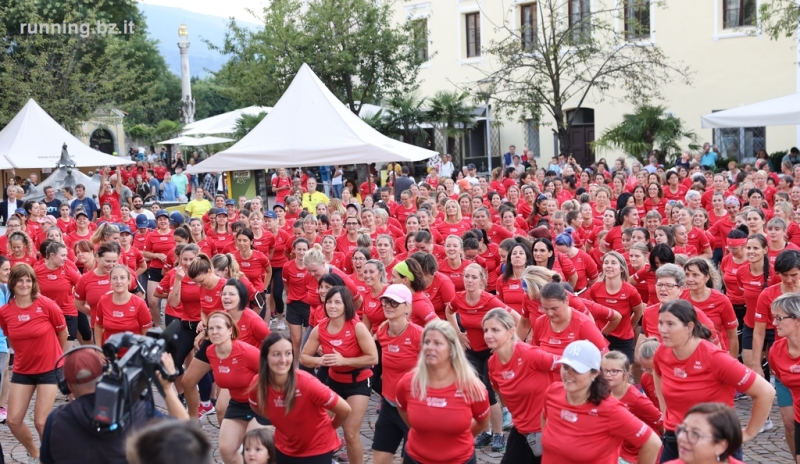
column 225, row 9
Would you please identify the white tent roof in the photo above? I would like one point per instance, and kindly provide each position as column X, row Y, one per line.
column 195, row 141
column 309, row 126
column 783, row 111
column 224, row 123
column 32, row 140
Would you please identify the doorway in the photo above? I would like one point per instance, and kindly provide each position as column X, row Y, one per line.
column 102, row 140
column 581, row 135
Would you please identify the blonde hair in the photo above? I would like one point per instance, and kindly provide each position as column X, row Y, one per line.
column 335, row 204
column 623, row 274
column 466, row 379
column 103, row 232
column 458, row 209
column 504, row 318
column 314, row 255
column 481, row 272
column 227, row 261
column 536, row 277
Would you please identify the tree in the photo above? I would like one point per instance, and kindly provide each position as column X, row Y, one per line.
column 350, row 45
column 779, row 18
column 212, row 98
column 564, row 59
column 406, row 116
column 648, row 128
column 450, row 111
column 246, row 123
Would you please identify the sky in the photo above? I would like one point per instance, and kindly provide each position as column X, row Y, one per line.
column 224, row 9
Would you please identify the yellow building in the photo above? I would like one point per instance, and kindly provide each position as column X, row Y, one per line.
column 732, row 62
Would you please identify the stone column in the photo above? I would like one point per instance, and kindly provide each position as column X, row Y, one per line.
column 187, row 103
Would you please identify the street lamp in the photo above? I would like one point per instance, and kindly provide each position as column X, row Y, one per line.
column 486, row 90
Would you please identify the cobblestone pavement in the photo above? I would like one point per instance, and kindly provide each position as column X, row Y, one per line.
column 768, row 447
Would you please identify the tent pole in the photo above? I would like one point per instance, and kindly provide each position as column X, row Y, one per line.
column 369, row 182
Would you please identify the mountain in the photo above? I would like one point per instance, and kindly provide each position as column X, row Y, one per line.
column 163, row 23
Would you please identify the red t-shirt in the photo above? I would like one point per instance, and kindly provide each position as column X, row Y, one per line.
column 719, row 310
column 729, row 271
column 67, row 226
column 161, row 244
column 132, row 316
column 278, row 253
column 344, row 342
column 440, row 292
column 698, row 239
column 472, row 316
column 141, row 237
column 133, row 258
column 581, row 327
column 279, row 181
column 522, row 383
column 58, row 285
column 763, row 311
column 294, row 280
column 445, row 228
column 455, row 275
column 650, row 323
column 164, row 288
column 254, row 267
column 731, row 460
column 112, row 199
column 680, row 195
column 220, row 240
column 237, row 370
column 26, row 259
column 709, row 375
column 91, row 287
column 785, row 368
column 307, row 429
column 613, row 239
column 498, row 234
column 646, row 284
column 190, row 307
column 421, row 309
column 599, row 429
column 371, row 308
column 622, row 302
column 585, row 267
column 491, row 258
column 399, row 355
column 252, row 329
column 640, row 406
column 33, row 332
column 211, row 300
column 751, row 286
column 511, row 293
column 345, row 245
column 454, row 412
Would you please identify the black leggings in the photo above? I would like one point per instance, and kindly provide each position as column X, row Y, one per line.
column 480, row 362
column 277, row 289
column 324, row 458
column 84, row 329
column 796, row 438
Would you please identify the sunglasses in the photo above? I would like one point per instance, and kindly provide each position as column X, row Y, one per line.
column 390, row 302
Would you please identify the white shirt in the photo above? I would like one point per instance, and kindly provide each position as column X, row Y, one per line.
column 12, row 206
column 447, row 169
column 148, row 214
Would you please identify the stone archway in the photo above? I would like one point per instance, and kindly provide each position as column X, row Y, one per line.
column 103, row 140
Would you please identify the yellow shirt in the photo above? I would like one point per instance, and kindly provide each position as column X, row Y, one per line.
column 198, row 208
column 310, row 201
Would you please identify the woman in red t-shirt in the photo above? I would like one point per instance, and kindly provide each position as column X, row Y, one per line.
column 617, row 371
column 96, row 283
column 701, row 279
column 59, row 277
column 615, row 292
column 438, row 288
column 35, row 327
column 199, row 237
column 234, row 365
column 120, row 311
column 298, row 305
column 65, row 222
column 21, row 249
column 783, row 359
column 253, row 263
column 157, row 248
column 374, row 285
column 545, row 255
column 711, row 433
column 509, row 286
column 348, row 350
column 520, row 373
column 585, row 267
column 221, row 235
column 454, row 263
column 443, row 386
column 336, row 258
column 385, row 246
column 753, row 277
column 297, row 404
column 690, row 370
column 580, row 410
column 471, row 305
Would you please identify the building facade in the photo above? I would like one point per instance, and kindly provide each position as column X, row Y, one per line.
column 731, row 61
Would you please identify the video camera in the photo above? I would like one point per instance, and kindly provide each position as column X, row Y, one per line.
column 127, row 380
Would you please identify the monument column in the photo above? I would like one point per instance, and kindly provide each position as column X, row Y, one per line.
column 187, row 103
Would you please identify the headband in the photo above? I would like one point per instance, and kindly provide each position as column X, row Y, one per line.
column 732, row 201
column 402, row 269
column 737, row 242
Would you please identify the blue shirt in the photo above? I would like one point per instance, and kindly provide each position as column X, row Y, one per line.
column 709, row 159
column 4, row 296
column 88, row 205
column 154, row 183
column 170, row 192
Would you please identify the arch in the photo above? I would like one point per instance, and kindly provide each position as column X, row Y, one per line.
column 103, row 140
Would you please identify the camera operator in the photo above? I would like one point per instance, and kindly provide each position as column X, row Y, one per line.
column 70, row 435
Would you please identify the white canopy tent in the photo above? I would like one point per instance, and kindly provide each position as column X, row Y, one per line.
column 33, row 140
column 783, row 111
column 309, row 126
column 224, row 123
column 196, row 141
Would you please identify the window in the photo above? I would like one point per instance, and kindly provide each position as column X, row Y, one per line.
column 473, row 21
column 740, row 142
column 637, row 19
column 580, row 19
column 739, row 13
column 527, row 29
column 419, row 31
column 532, row 137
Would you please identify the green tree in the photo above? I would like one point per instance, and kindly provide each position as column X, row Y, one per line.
column 212, row 98
column 350, row 45
column 451, row 113
column 779, row 18
column 566, row 59
column 406, row 115
column 246, row 123
column 648, row 128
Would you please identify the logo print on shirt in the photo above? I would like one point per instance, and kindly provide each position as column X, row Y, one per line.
column 103, row 282
column 436, row 402
column 117, row 314
column 336, row 342
column 569, row 416
column 52, row 277
column 24, row 318
column 698, row 365
column 680, row 373
column 393, row 349
column 507, row 375
column 224, row 370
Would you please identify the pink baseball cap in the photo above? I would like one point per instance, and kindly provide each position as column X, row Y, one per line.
column 398, row 292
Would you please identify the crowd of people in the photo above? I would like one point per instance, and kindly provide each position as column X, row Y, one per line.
column 565, row 315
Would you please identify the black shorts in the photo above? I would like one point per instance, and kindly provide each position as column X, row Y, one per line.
column 324, row 458
column 242, row 411
column 346, row 390
column 480, row 362
column 518, row 450
column 409, row 460
column 154, row 275
column 747, row 338
column 45, row 378
column 201, row 353
column 72, row 326
column 84, row 328
column 622, row 345
column 390, row 429
column 796, row 437
column 298, row 313
column 187, row 332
